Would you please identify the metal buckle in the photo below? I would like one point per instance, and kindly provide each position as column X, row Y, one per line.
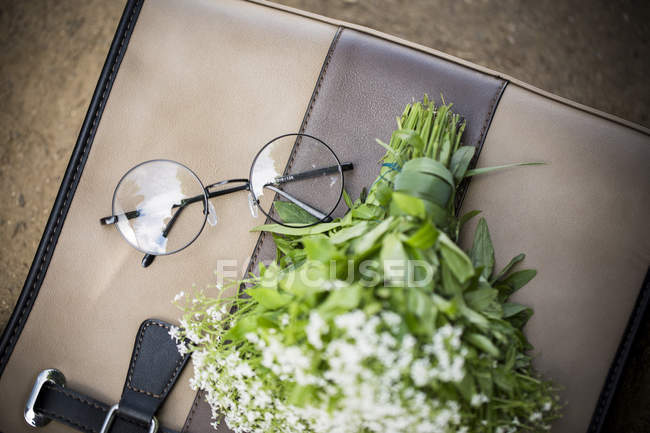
column 110, row 417
column 51, row 375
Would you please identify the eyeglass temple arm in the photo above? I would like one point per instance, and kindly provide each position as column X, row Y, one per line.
column 149, row 258
column 346, row 166
column 113, row 219
column 304, row 206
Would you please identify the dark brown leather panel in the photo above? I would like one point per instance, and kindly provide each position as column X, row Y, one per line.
column 367, row 85
column 364, row 84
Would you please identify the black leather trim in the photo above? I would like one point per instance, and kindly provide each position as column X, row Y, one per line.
column 69, row 184
column 153, row 371
column 638, row 316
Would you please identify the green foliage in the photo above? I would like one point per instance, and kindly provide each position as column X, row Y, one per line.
column 339, row 268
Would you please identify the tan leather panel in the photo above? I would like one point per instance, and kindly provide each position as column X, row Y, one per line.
column 581, row 220
column 205, row 83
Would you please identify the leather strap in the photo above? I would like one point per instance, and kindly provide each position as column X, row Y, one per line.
column 85, row 413
column 153, row 371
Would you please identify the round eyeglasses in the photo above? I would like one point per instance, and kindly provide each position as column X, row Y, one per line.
column 161, row 206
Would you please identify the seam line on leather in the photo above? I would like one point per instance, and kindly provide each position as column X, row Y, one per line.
column 68, row 421
column 487, row 122
column 28, row 303
column 75, row 397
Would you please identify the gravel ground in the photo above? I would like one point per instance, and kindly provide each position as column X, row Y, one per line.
column 51, row 52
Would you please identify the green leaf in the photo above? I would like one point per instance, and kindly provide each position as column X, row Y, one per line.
column 364, row 244
column 411, row 137
column 429, row 166
column 394, row 260
column 504, row 380
column 460, row 161
column 457, row 260
column 511, row 309
column 508, row 267
column 450, row 285
column 520, row 318
column 484, row 380
column 307, row 279
column 424, row 238
column 291, row 213
column 511, row 356
column 348, row 200
column 345, row 298
column 484, row 170
column 396, row 154
column 445, row 150
column 483, row 343
column 424, row 186
column 302, row 395
column 320, row 249
column 348, row 233
column 268, row 298
column 473, row 317
column 514, row 282
column 383, row 193
column 368, row 212
column 297, row 231
column 467, row 387
column 481, row 298
column 482, row 252
column 440, row 216
column 243, row 326
column 468, row 216
column 450, row 308
column 409, row 205
column 421, row 312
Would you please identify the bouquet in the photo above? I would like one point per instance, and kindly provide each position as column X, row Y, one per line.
column 377, row 321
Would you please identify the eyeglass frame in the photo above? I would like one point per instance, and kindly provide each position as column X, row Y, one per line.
column 206, row 195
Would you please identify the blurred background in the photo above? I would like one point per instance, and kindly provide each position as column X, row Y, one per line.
column 51, row 52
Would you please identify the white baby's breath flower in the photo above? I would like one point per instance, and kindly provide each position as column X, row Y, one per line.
column 179, row 296
column 314, row 329
column 535, row 416
column 420, row 372
column 174, row 333
column 392, row 319
column 479, row 399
